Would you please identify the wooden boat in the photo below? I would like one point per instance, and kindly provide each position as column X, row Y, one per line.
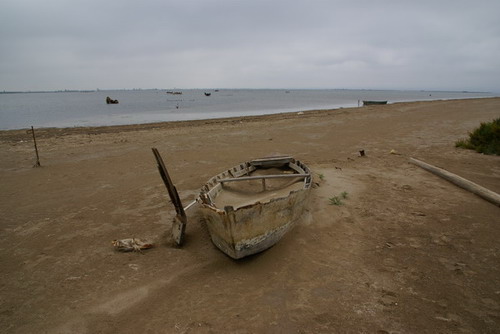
column 249, row 207
column 370, row 103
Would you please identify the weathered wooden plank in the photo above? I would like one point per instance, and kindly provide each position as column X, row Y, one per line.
column 260, row 177
column 272, row 161
column 180, row 220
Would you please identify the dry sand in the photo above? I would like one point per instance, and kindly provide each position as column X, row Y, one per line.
column 407, row 252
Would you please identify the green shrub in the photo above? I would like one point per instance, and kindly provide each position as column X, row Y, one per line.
column 485, row 139
column 337, row 200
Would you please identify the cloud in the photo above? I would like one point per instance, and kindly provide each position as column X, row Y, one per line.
column 261, row 44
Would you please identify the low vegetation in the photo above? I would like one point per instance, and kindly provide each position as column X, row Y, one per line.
column 485, row 139
column 337, row 200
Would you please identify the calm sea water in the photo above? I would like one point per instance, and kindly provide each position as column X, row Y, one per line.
column 72, row 109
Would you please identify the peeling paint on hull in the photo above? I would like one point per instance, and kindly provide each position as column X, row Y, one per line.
column 256, row 227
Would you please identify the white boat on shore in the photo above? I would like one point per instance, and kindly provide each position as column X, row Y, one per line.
column 249, row 207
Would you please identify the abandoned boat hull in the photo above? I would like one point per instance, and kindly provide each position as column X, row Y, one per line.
column 255, row 227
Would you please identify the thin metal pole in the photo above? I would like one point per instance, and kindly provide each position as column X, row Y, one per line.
column 37, row 164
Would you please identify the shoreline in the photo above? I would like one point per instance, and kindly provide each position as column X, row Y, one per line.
column 44, row 132
column 151, row 109
column 59, row 131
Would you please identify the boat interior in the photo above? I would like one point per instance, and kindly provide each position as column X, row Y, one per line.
column 259, row 180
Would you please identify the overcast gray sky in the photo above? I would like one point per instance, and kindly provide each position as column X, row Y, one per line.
column 386, row 44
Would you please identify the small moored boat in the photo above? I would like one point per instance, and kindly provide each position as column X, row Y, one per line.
column 249, row 207
column 111, row 101
column 370, row 103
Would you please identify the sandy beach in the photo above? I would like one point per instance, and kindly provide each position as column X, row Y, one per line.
column 406, row 252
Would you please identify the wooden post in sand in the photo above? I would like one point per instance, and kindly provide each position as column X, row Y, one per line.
column 37, row 164
column 482, row 192
column 180, row 220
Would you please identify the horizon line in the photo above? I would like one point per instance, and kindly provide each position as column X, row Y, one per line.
column 212, row 89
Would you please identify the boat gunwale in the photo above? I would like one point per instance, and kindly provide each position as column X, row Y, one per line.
column 205, row 197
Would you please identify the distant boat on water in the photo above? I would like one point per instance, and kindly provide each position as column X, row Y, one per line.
column 370, row 103
column 208, row 94
column 111, row 101
column 174, row 93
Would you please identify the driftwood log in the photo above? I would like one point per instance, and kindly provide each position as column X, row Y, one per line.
column 476, row 189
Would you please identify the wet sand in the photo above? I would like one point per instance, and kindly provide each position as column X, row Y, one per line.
column 406, row 252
